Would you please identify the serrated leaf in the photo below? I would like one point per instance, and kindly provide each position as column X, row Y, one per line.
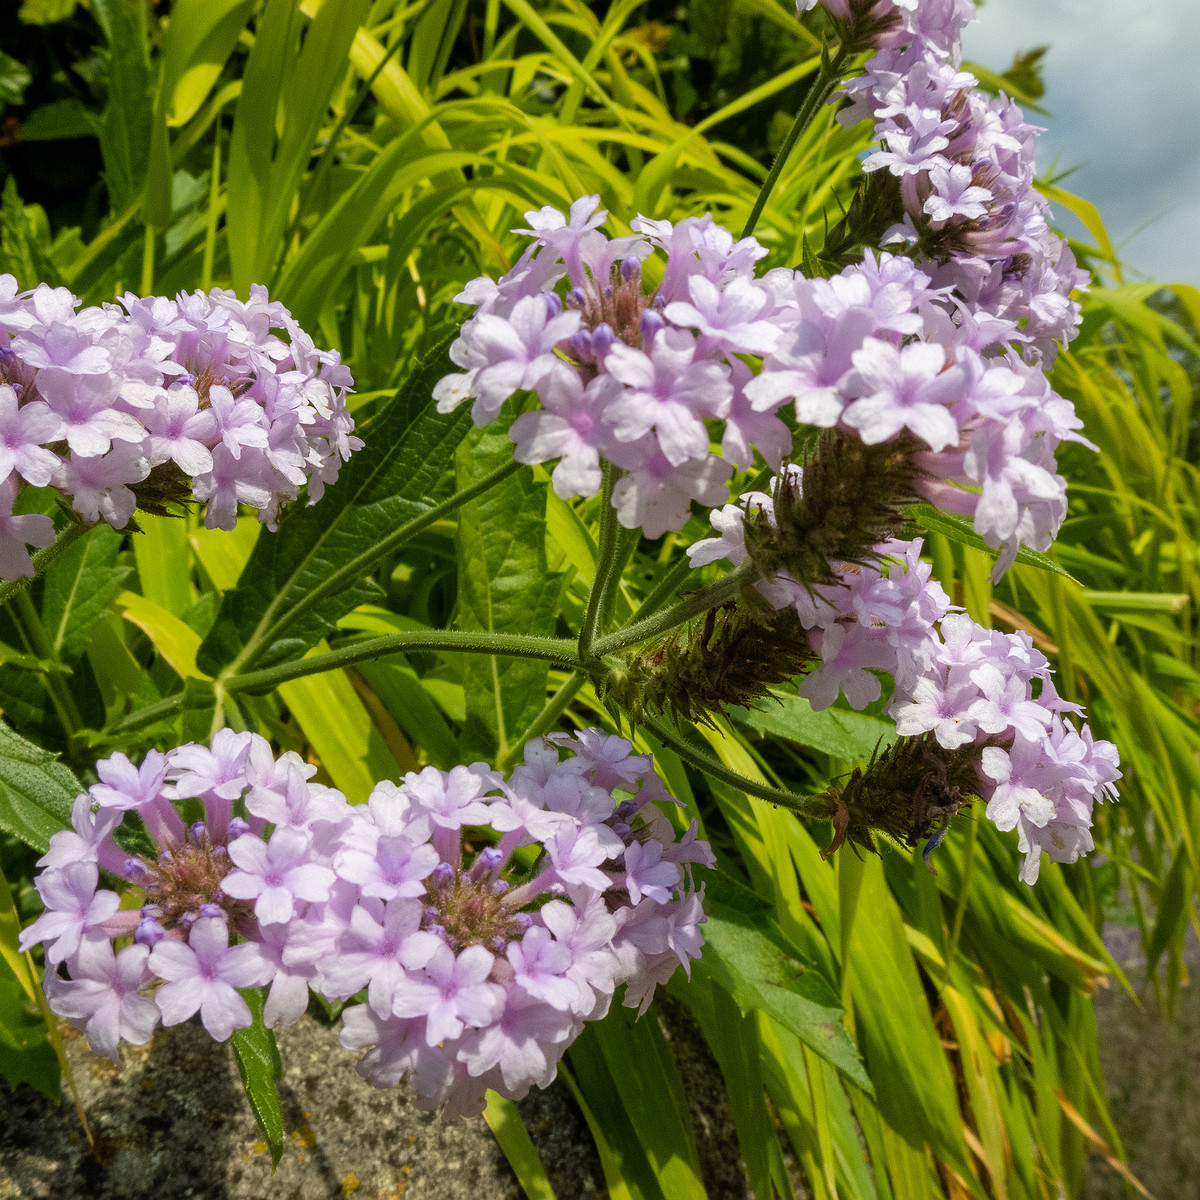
column 36, row 791
column 746, row 953
column 959, row 529
column 260, row 1067
column 79, row 588
column 504, row 584
column 385, row 484
column 835, row 731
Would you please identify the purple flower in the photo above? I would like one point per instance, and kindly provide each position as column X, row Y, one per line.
column 87, row 419
column 452, row 799
column 102, row 993
column 540, row 964
column 669, row 392
column 1020, row 774
column 647, row 875
column 178, row 430
column 955, row 195
column 277, row 874
column 203, row 976
column 451, row 994
column 17, row 532
column 99, row 486
column 728, row 315
column 24, row 431
column 381, row 946
column 73, row 907
column 88, row 840
column 908, row 388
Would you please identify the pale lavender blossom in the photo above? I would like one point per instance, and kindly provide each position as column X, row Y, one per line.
column 203, row 975
column 102, row 996
column 277, row 875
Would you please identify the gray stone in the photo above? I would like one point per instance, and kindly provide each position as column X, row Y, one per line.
column 174, row 1123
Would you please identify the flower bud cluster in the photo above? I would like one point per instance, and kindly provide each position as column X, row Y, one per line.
column 153, row 401
column 632, row 375
column 965, row 164
column 965, row 685
column 484, row 920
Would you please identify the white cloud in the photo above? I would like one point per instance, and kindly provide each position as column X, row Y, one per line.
column 1123, row 90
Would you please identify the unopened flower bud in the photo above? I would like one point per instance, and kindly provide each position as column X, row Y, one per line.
column 149, row 932
column 238, row 827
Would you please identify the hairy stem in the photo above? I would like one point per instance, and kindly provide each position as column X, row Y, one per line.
column 692, row 605
column 710, row 766
column 43, row 558
column 607, row 566
column 516, row 645
column 822, row 87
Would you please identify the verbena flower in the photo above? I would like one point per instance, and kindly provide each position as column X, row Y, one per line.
column 964, row 161
column 478, row 965
column 967, row 686
column 153, row 401
column 639, row 374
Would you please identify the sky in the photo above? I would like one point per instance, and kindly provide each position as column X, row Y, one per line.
column 1123, row 92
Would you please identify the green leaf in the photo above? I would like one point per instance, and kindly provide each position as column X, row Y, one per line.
column 26, row 1055
column 199, row 39
column 504, row 1120
column 14, row 79
column 79, row 588
column 839, row 732
column 747, row 954
column 36, row 791
column 261, row 1069
column 959, row 529
column 58, row 120
column 25, row 253
column 504, row 585
column 125, row 124
column 652, row 1095
column 385, row 484
column 46, row 12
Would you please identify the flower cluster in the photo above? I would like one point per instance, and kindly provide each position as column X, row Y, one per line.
column 965, row 165
column 484, row 920
column 624, row 372
column 155, row 400
column 967, row 685
column 632, row 377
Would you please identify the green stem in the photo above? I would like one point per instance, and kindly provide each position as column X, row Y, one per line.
column 665, row 587
column 710, row 766
column 558, row 650
column 554, row 708
column 270, row 627
column 148, row 261
column 822, row 87
column 160, row 710
column 606, row 567
column 690, row 606
column 43, row 558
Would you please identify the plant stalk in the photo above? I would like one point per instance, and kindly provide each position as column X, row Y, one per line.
column 516, row 645
column 359, row 566
column 692, row 605
column 607, row 566
column 710, row 766
column 822, row 87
